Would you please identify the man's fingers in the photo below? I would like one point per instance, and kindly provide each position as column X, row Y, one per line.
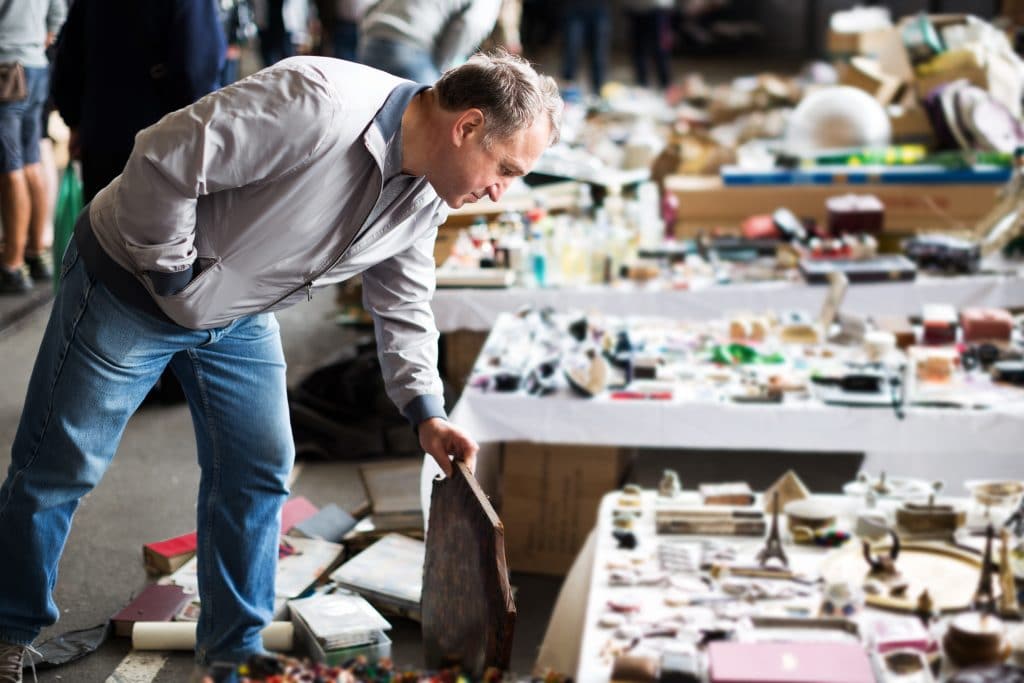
column 443, row 462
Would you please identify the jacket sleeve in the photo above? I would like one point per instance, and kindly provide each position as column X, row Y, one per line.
column 196, row 50
column 397, row 294
column 252, row 132
column 55, row 14
column 69, row 66
column 465, row 31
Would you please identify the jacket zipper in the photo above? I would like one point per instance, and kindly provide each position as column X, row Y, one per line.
column 309, row 285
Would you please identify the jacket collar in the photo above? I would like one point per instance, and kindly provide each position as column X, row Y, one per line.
column 389, row 118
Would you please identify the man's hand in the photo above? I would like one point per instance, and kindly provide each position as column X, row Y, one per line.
column 441, row 438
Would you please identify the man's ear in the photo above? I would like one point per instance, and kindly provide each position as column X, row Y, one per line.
column 467, row 124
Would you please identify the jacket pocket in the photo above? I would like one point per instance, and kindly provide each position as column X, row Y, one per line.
column 201, row 268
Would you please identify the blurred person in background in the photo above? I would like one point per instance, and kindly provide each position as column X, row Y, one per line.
column 506, row 33
column 239, row 23
column 589, row 23
column 283, row 26
column 27, row 27
column 345, row 37
column 651, row 35
column 122, row 64
column 419, row 39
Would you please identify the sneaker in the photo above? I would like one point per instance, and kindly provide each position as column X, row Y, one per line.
column 11, row 661
column 40, row 266
column 15, row 281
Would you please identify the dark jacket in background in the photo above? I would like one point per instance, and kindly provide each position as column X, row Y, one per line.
column 122, row 64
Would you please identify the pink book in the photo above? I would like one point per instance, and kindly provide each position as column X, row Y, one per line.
column 804, row 662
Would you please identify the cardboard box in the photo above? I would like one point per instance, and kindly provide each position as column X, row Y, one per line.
column 550, row 498
column 461, row 349
column 911, row 125
column 843, row 45
column 705, row 203
column 996, row 72
column 866, row 74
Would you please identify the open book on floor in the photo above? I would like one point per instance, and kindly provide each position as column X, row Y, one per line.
column 394, row 491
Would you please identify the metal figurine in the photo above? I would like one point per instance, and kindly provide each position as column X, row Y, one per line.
column 984, row 599
column 1015, row 522
column 1008, row 605
column 773, row 546
column 884, row 565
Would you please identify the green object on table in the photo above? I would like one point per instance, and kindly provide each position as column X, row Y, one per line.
column 69, row 205
column 741, row 354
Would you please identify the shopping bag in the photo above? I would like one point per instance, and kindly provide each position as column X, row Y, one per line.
column 69, row 204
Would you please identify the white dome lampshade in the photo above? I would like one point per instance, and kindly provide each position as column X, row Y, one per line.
column 836, row 117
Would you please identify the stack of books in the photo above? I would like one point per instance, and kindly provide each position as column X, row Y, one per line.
column 336, row 627
column 389, row 574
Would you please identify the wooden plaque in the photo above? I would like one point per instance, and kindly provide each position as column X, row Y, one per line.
column 468, row 612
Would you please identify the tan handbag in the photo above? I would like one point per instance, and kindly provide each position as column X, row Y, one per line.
column 12, row 82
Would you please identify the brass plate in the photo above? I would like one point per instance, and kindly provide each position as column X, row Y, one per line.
column 950, row 574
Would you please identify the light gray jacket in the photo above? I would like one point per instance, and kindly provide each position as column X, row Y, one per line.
column 265, row 186
column 23, row 28
column 448, row 30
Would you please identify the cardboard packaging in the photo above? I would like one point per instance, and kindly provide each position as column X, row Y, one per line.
column 550, row 498
column 994, row 71
column 461, row 349
column 986, row 324
column 706, row 204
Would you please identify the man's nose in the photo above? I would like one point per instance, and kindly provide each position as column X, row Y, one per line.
column 496, row 190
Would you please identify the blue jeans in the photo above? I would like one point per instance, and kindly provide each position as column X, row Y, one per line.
column 592, row 26
column 21, row 122
column 97, row 360
column 398, row 59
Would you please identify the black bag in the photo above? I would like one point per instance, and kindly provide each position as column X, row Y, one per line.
column 12, row 82
column 341, row 410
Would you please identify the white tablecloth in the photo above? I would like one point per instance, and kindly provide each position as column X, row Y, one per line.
column 477, row 309
column 946, row 443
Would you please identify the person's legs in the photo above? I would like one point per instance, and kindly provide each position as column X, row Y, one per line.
column 39, row 195
column 15, row 203
column 16, row 207
column 600, row 35
column 97, row 360
column 662, row 44
column 638, row 49
column 573, row 43
column 237, row 392
column 37, row 80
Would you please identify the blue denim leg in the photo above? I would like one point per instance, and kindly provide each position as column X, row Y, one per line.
column 96, row 362
column 21, row 123
column 237, row 392
column 399, row 59
column 573, row 43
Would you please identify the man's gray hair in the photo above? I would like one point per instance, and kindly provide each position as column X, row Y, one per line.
column 507, row 89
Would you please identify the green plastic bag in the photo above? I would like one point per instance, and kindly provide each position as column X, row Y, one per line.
column 69, row 205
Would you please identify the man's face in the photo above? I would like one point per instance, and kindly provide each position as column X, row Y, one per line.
column 475, row 171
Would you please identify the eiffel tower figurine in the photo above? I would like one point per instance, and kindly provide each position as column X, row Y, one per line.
column 773, row 546
column 1015, row 522
column 984, row 600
